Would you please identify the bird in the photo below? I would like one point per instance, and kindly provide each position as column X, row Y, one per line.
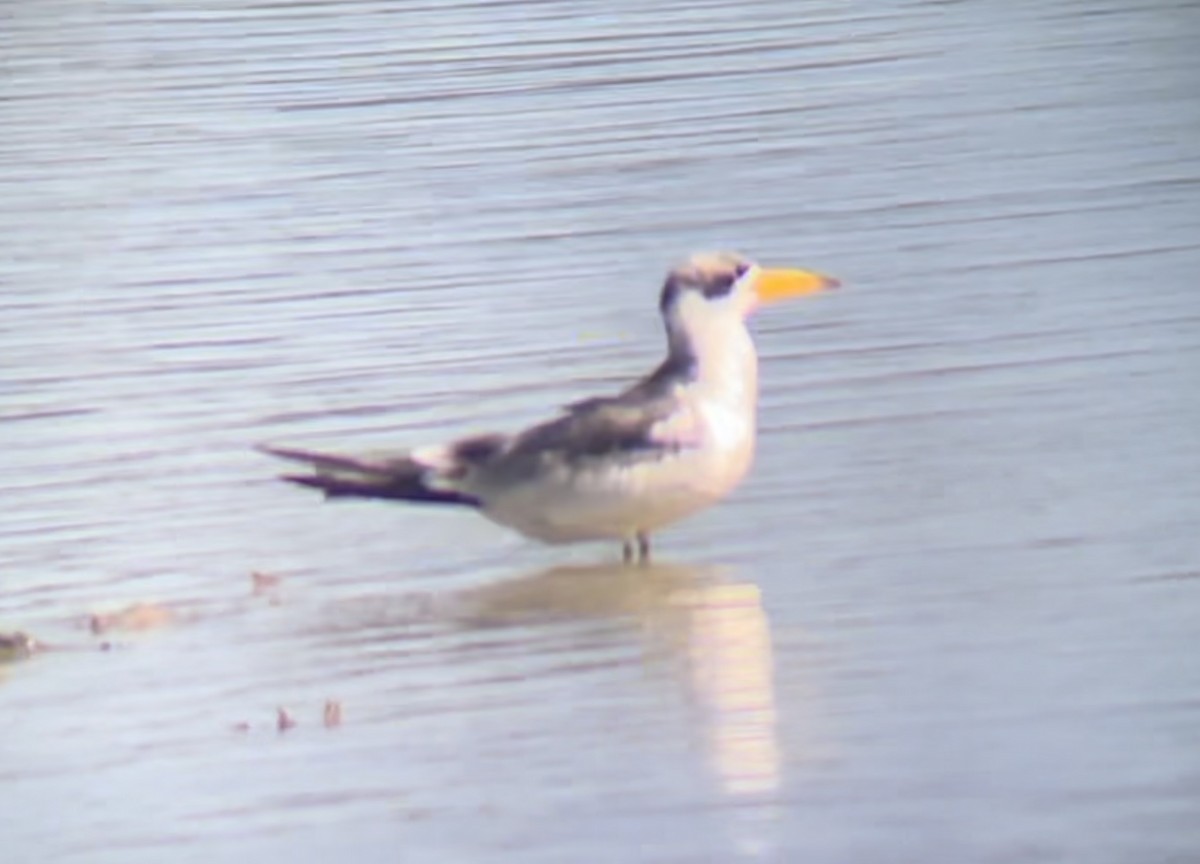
column 618, row 467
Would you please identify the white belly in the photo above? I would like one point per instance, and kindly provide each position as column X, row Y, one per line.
column 615, row 499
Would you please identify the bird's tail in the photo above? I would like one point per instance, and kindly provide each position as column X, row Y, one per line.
column 397, row 478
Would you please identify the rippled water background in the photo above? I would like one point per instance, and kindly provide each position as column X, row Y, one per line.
column 953, row 616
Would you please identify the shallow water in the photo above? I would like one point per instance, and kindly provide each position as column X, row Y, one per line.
column 951, row 616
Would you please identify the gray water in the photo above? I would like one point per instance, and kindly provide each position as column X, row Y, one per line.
column 953, row 614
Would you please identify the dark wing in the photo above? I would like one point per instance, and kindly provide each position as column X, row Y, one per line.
column 622, row 428
column 657, row 385
column 646, row 420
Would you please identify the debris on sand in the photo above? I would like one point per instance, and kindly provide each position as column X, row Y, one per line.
column 139, row 616
column 283, row 720
column 17, row 646
column 333, row 713
column 264, row 583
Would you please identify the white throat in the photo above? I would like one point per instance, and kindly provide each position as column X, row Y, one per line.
column 714, row 336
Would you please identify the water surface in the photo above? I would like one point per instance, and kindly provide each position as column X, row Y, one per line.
column 951, row 616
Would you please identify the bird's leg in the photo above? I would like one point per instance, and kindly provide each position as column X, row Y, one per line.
column 643, row 545
column 639, row 552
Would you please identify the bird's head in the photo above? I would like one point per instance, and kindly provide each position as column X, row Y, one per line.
column 726, row 285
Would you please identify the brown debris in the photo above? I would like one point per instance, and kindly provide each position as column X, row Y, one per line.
column 139, row 616
column 283, row 720
column 17, row 646
column 333, row 713
column 264, row 583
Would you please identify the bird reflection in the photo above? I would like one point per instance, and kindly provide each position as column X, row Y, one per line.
column 711, row 627
column 733, row 676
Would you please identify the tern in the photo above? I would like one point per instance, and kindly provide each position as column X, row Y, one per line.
column 617, row 467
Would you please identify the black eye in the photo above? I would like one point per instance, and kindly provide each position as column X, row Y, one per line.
column 720, row 285
column 741, row 270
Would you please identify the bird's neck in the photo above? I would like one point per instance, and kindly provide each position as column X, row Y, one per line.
column 720, row 357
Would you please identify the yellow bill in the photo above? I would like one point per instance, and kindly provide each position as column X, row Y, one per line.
column 774, row 285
